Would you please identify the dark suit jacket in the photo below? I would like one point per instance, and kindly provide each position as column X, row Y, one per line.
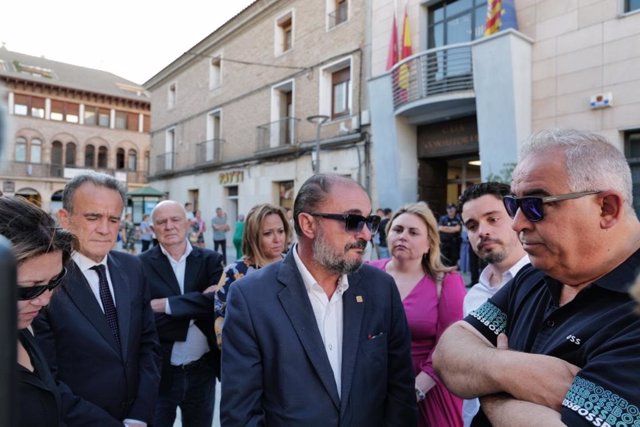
column 204, row 268
column 102, row 384
column 275, row 370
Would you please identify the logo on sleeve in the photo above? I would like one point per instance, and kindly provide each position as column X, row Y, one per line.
column 573, row 339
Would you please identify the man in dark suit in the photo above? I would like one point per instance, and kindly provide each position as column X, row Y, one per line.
column 98, row 332
column 178, row 274
column 319, row 339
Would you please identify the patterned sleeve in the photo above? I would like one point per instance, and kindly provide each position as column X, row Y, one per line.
column 490, row 319
column 233, row 272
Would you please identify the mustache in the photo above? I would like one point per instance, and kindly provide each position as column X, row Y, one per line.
column 485, row 240
column 360, row 244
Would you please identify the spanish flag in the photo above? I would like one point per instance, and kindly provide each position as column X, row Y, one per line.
column 405, row 52
column 501, row 14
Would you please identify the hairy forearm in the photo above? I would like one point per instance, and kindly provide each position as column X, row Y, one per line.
column 504, row 410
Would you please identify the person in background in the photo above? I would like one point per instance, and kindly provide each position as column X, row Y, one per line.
column 450, row 226
column 42, row 251
column 220, row 228
column 129, row 234
column 293, row 239
column 560, row 343
column 198, row 228
column 264, row 240
column 178, row 275
column 237, row 236
column 383, row 249
column 491, row 237
column 146, row 233
column 319, row 339
column 432, row 296
column 98, row 333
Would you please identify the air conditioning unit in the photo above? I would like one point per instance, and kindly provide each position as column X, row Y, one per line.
column 601, row 100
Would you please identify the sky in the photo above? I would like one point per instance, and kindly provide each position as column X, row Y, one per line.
column 133, row 39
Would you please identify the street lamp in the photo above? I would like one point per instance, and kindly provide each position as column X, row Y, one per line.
column 318, row 120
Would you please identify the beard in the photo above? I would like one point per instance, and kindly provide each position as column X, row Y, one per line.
column 493, row 257
column 335, row 261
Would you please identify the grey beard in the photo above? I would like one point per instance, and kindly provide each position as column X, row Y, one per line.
column 333, row 261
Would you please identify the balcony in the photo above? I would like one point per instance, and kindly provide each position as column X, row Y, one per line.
column 48, row 170
column 339, row 15
column 166, row 162
column 209, row 152
column 278, row 136
column 439, row 78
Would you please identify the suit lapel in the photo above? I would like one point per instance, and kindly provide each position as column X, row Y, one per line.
column 194, row 263
column 123, row 299
column 296, row 304
column 353, row 304
column 79, row 291
column 161, row 264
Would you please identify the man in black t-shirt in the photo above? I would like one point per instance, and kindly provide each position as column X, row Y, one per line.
column 450, row 227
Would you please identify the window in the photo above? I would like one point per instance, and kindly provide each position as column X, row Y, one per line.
column 25, row 105
column 21, row 149
column 632, row 152
column 215, row 75
column 35, row 151
column 56, row 153
column 37, row 107
column 70, row 157
column 103, row 117
column 90, row 156
column 121, row 120
column 132, row 160
column 120, row 159
column 102, row 157
column 341, row 86
column 631, row 5
column 456, row 21
column 64, row 111
column 132, row 122
column 90, row 115
column 172, row 95
column 284, row 33
column 146, row 123
column 339, row 12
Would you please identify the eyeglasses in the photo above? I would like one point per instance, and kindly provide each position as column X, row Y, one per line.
column 352, row 222
column 30, row 292
column 532, row 206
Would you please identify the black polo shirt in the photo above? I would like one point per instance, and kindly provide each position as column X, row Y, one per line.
column 598, row 331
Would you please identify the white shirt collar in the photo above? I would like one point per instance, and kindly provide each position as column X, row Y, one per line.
column 310, row 281
column 85, row 263
column 184, row 256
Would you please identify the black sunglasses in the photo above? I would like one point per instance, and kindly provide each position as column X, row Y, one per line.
column 30, row 292
column 532, row 206
column 353, row 222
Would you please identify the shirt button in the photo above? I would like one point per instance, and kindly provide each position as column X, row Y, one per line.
column 550, row 323
column 331, row 347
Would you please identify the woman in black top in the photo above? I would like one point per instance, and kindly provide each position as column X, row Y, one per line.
column 41, row 250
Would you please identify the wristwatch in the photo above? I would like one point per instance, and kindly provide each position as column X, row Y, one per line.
column 420, row 395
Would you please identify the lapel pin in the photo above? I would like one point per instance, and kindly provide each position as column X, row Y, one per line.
column 359, row 299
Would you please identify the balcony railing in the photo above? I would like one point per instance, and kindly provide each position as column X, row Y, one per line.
column 339, row 15
column 278, row 134
column 48, row 170
column 433, row 72
column 209, row 152
column 166, row 162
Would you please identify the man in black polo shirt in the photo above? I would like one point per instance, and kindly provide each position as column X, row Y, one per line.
column 560, row 343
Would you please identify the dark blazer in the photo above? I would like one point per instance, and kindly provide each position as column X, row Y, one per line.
column 204, row 268
column 38, row 398
column 275, row 370
column 102, row 384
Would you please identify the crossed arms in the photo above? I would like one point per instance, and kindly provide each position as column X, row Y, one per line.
column 515, row 388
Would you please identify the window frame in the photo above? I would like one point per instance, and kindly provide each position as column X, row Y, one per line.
column 284, row 32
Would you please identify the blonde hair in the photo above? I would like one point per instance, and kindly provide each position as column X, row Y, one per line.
column 431, row 262
column 251, row 235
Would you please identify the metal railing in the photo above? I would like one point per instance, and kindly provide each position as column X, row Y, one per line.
column 433, row 72
column 209, row 151
column 166, row 162
column 51, row 170
column 277, row 134
column 339, row 15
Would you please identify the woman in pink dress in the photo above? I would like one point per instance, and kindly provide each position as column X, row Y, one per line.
column 432, row 296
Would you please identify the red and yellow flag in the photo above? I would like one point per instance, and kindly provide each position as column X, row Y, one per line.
column 392, row 58
column 405, row 52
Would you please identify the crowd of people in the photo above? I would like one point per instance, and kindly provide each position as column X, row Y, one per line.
column 311, row 332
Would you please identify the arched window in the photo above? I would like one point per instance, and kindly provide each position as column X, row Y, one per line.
column 35, row 152
column 70, row 157
column 132, row 160
column 120, row 159
column 102, row 157
column 56, row 153
column 90, row 156
column 21, row 149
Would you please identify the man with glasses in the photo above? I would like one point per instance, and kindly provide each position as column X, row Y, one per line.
column 98, row 332
column 319, row 338
column 560, row 343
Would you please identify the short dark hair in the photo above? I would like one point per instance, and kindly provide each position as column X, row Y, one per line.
column 32, row 231
column 494, row 188
column 97, row 179
column 313, row 192
column 387, row 211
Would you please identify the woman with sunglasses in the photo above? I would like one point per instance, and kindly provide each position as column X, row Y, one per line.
column 41, row 250
column 432, row 296
column 265, row 238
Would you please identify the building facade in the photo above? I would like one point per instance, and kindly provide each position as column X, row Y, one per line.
column 248, row 113
column 63, row 120
column 469, row 101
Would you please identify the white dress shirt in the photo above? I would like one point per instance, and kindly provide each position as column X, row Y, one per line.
column 92, row 277
column 328, row 314
column 195, row 345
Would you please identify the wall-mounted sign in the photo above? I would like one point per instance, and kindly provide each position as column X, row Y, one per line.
column 232, row 177
column 8, row 186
